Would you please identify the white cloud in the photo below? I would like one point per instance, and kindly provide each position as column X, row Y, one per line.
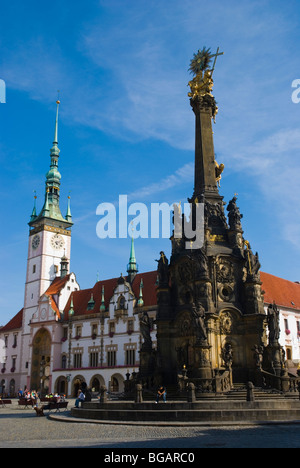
column 182, row 175
column 134, row 84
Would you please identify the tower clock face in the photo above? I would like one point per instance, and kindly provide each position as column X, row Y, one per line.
column 36, row 241
column 57, row 242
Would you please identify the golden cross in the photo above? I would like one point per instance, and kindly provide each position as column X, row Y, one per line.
column 216, row 56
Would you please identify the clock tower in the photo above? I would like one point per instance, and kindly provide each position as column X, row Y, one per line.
column 49, row 236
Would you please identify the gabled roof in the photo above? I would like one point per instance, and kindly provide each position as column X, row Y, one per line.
column 285, row 293
column 57, row 285
column 14, row 323
column 81, row 298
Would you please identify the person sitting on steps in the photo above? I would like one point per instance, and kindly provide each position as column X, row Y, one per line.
column 161, row 392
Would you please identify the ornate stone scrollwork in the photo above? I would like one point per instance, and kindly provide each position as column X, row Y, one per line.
column 226, row 323
column 225, row 271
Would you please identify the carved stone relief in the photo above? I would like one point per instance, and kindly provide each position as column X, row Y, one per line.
column 226, row 323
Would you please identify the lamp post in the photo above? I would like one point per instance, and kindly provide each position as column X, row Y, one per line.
column 42, row 373
column 68, row 379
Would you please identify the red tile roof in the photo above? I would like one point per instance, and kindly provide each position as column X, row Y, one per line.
column 285, row 293
column 57, row 285
column 14, row 323
column 81, row 298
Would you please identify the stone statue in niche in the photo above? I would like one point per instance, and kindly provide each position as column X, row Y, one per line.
column 258, row 356
column 163, row 270
column 198, row 313
column 145, row 327
column 273, row 323
column 227, row 355
column 234, row 215
column 202, row 263
column 253, row 263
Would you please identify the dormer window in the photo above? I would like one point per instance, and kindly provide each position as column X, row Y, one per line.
column 91, row 303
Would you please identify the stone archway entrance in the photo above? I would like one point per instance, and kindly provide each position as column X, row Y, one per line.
column 61, row 385
column 78, row 383
column 96, row 382
column 40, row 362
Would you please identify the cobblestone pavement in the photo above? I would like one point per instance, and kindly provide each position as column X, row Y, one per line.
column 21, row 428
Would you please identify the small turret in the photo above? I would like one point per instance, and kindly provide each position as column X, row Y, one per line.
column 64, row 267
column 132, row 267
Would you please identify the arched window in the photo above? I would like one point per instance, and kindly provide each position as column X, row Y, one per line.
column 12, row 387
column 64, row 362
column 114, row 385
column 122, row 302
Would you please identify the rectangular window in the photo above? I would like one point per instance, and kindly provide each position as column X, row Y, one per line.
column 34, row 269
column 111, row 358
column 77, row 360
column 94, row 359
column 130, row 357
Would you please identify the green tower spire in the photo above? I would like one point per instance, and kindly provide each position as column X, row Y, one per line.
column 68, row 215
column 132, row 267
column 33, row 214
column 51, row 213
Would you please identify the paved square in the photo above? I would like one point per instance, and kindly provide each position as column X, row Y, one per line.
column 22, row 428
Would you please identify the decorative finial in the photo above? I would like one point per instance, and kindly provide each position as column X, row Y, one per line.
column 68, row 216
column 141, row 300
column 33, row 214
column 102, row 306
column 56, row 124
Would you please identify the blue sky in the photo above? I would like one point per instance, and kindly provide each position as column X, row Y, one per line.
column 126, row 126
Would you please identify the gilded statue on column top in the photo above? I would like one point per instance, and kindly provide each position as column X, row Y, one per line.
column 202, row 84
